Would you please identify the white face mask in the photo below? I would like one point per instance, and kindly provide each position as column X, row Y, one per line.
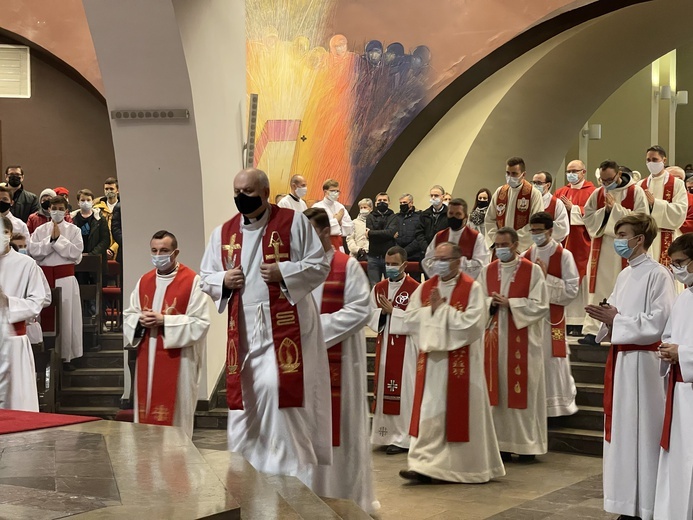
column 301, row 192
column 540, row 239
column 333, row 195
column 682, row 274
column 57, row 216
column 655, row 167
column 162, row 262
column 85, row 205
column 436, row 203
column 513, row 182
column 4, row 242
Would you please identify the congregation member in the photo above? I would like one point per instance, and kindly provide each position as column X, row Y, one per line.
column 341, row 225
column 22, row 296
column 43, row 214
column 395, row 355
column 381, row 228
column 294, row 199
column 167, row 321
column 574, row 196
column 674, row 493
column 62, row 191
column 475, row 254
column 6, row 204
column 478, row 214
column 24, row 203
column 343, row 301
column 357, row 242
column 543, row 181
column 57, row 247
column 512, row 204
column 518, row 301
column 432, row 219
column 618, row 197
column 93, row 226
column 447, row 198
column 408, row 220
column 453, row 436
column 105, row 206
column 562, row 281
column 263, row 265
column 667, row 200
column 633, row 320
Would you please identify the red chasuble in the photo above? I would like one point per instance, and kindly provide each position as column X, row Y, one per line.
column 578, row 240
column 394, row 361
column 518, row 339
column 333, row 301
column 466, row 242
column 457, row 418
column 523, row 205
column 286, row 330
column 666, row 235
column 556, row 312
column 628, row 203
column 162, row 405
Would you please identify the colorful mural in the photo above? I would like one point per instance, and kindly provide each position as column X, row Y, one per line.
column 327, row 108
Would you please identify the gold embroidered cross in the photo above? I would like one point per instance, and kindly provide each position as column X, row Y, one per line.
column 231, row 247
column 275, row 242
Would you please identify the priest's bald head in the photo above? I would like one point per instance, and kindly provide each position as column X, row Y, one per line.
column 251, row 192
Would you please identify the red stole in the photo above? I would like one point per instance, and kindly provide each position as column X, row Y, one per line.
column 551, row 208
column 333, row 301
column 286, row 330
column 629, row 203
column 609, row 376
column 674, row 377
column 556, row 312
column 166, row 361
column 394, row 361
column 578, row 240
column 466, row 242
column 457, row 410
column 53, row 273
column 666, row 235
column 518, row 339
column 523, row 205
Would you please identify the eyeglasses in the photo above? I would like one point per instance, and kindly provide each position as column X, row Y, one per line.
column 538, row 183
column 574, row 171
column 679, row 265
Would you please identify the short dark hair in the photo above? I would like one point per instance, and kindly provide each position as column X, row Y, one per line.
column 609, row 165
column 683, row 244
column 16, row 166
column 515, row 161
column 542, row 217
column 111, row 180
column 397, row 250
column 509, row 231
column 86, row 192
column 59, row 199
column 547, row 175
column 318, row 216
column 159, row 235
column 657, row 149
column 382, row 194
column 15, row 236
column 7, row 223
column 459, row 202
column 642, row 224
column 330, row 183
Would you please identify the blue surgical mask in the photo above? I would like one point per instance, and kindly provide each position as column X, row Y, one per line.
column 439, row 268
column 504, row 254
column 622, row 248
column 539, row 239
column 22, row 251
column 572, row 178
column 392, row 272
column 162, row 262
column 513, row 182
column 612, row 186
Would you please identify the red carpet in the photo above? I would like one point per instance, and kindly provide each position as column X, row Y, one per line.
column 12, row 421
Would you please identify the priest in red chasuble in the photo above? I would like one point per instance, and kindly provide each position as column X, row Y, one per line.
column 167, row 321
column 518, row 300
column 262, row 266
column 453, row 437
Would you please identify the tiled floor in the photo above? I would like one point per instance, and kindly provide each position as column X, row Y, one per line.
column 556, row 487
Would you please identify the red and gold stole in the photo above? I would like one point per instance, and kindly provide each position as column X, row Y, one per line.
column 333, row 301
column 466, row 242
column 166, row 361
column 394, row 360
column 523, row 205
column 666, row 235
column 629, row 203
column 518, row 339
column 457, row 415
column 286, row 330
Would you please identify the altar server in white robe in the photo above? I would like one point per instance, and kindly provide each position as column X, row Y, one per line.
column 543, row 181
column 23, row 294
column 343, row 301
column 674, row 495
column 562, row 282
column 618, row 197
column 279, row 423
column 294, row 199
column 453, row 437
column 395, row 356
column 633, row 321
column 168, row 308
column 668, row 202
column 57, row 247
column 518, row 299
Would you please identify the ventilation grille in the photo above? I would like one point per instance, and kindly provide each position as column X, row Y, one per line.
column 15, row 72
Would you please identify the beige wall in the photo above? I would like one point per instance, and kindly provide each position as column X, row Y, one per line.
column 684, row 113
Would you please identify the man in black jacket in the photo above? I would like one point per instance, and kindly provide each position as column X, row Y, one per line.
column 407, row 223
column 381, row 227
column 432, row 219
column 25, row 202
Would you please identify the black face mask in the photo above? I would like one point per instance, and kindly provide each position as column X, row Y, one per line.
column 15, row 181
column 481, row 203
column 382, row 206
column 404, row 208
column 247, row 204
column 46, row 204
column 4, row 206
column 455, row 223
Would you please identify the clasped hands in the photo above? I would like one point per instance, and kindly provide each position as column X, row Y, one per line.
column 150, row 319
column 668, row 352
column 602, row 312
column 235, row 278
